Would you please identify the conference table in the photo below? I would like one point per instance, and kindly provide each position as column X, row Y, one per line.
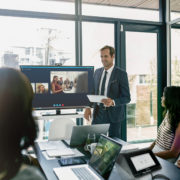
column 168, row 169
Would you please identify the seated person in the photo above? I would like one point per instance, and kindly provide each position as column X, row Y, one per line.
column 67, row 84
column 167, row 144
column 17, row 126
column 56, row 88
column 60, row 82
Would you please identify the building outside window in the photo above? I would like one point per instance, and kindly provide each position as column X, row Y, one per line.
column 26, row 41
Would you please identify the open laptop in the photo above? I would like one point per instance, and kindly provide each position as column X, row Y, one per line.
column 80, row 133
column 100, row 163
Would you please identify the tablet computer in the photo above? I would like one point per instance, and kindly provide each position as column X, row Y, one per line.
column 142, row 161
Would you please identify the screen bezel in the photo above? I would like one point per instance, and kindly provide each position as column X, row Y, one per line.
column 129, row 155
column 109, row 139
column 57, row 66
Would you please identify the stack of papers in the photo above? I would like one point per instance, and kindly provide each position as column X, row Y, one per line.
column 54, row 149
column 59, row 152
column 47, row 145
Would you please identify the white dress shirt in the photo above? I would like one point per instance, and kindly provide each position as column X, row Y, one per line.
column 109, row 71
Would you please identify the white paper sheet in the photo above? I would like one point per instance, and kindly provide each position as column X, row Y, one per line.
column 60, row 152
column 96, row 98
column 129, row 147
column 47, row 157
column 48, row 145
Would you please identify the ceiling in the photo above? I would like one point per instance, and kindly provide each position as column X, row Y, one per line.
column 142, row 4
column 175, row 5
column 147, row 4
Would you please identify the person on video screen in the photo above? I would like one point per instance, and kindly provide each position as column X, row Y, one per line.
column 41, row 89
column 67, row 84
column 55, row 87
column 60, row 82
column 81, row 83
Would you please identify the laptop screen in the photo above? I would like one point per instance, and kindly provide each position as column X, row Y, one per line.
column 104, row 156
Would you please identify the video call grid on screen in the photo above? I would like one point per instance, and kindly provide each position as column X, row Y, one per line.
column 73, row 84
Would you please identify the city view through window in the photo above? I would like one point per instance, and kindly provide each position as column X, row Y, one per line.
column 27, row 41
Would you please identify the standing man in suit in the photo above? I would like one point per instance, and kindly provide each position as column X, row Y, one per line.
column 112, row 82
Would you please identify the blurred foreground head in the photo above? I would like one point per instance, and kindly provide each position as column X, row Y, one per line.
column 17, row 126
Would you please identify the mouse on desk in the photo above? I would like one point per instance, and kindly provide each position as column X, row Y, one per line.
column 160, row 176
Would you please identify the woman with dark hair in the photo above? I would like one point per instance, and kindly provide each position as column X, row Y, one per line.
column 167, row 144
column 17, row 126
column 55, row 87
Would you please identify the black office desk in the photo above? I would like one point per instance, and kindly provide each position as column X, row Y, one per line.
column 168, row 169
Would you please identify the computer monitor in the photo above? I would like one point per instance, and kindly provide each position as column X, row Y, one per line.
column 57, row 87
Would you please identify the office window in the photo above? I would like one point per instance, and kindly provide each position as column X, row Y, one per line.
column 146, row 10
column 175, row 9
column 175, row 57
column 142, row 79
column 175, row 15
column 141, row 66
column 26, row 41
column 52, row 6
column 95, row 36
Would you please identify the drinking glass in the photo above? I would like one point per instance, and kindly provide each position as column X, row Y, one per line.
column 91, row 138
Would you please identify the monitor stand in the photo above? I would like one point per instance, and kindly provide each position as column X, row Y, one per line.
column 60, row 112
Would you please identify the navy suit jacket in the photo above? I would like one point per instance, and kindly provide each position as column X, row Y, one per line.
column 118, row 90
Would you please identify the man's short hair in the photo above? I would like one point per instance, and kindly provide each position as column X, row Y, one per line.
column 111, row 50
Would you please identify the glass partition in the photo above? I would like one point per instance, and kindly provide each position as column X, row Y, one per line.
column 141, row 65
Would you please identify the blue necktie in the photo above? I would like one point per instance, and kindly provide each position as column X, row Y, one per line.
column 103, row 83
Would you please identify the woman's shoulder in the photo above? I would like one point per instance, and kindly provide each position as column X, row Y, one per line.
column 28, row 173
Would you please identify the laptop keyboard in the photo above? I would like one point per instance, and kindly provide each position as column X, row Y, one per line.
column 83, row 173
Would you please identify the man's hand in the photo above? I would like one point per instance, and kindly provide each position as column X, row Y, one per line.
column 108, row 102
column 87, row 114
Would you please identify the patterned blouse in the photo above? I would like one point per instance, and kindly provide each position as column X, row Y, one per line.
column 165, row 135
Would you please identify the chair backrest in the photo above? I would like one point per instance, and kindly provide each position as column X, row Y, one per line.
column 61, row 129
